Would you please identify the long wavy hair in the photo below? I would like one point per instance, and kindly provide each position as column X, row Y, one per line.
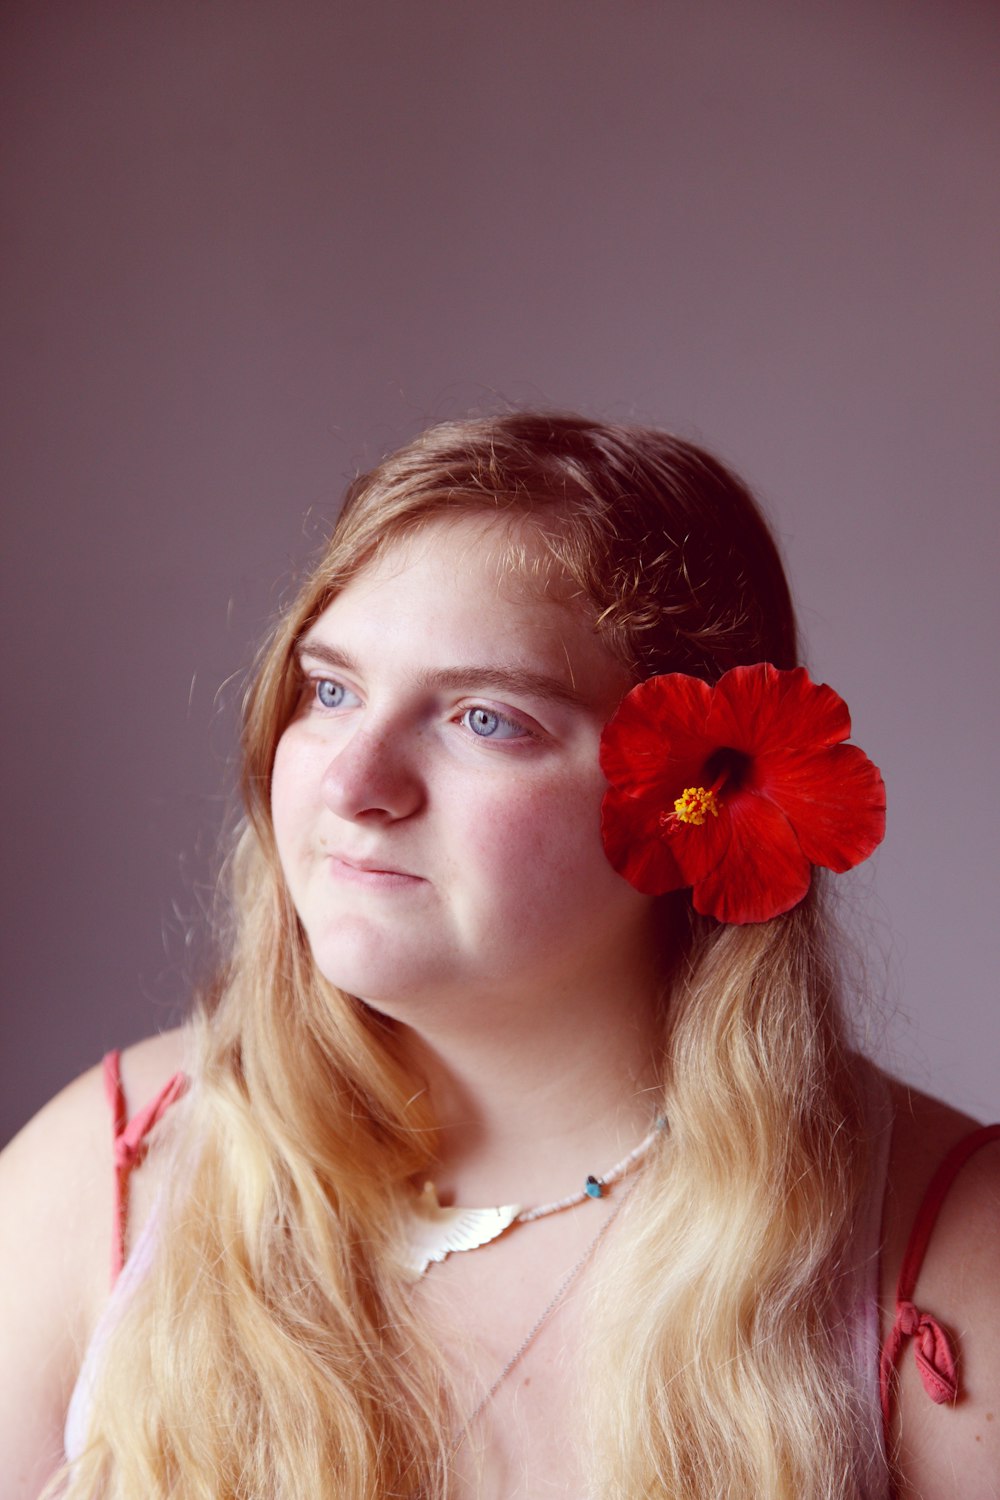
column 271, row 1350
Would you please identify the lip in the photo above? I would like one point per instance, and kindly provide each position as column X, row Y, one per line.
column 370, row 872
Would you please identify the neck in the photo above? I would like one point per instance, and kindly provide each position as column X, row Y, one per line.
column 542, row 1095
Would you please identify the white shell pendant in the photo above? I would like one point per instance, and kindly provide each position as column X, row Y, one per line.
column 434, row 1232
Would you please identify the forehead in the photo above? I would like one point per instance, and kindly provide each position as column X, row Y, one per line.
column 473, row 588
column 509, row 550
column 506, row 559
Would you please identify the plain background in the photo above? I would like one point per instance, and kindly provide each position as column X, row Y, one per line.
column 250, row 246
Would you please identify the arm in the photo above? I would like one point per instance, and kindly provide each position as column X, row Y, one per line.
column 948, row 1450
column 56, row 1196
column 57, row 1223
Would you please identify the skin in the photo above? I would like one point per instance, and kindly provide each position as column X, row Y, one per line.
column 499, row 942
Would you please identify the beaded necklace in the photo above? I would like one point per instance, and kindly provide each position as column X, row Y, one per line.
column 433, row 1232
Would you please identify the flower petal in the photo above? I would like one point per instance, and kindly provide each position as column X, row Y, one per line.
column 835, row 801
column 634, row 843
column 698, row 848
column 658, row 732
column 761, row 711
column 764, row 871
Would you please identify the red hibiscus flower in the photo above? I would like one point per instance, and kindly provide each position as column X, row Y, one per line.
column 736, row 790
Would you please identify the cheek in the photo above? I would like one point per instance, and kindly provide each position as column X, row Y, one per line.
column 291, row 798
column 548, row 841
column 282, row 789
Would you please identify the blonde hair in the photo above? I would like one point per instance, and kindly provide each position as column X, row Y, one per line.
column 271, row 1351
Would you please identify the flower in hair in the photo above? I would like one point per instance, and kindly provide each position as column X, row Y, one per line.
column 736, row 790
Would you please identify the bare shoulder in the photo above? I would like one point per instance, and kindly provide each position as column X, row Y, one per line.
column 149, row 1065
column 56, row 1224
column 946, row 1450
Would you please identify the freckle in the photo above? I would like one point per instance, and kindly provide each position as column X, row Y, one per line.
column 989, row 1416
column 526, row 1380
column 979, row 1437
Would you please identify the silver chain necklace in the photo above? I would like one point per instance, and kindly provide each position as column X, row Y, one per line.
column 564, row 1286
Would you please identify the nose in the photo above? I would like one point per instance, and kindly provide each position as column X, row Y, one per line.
column 374, row 776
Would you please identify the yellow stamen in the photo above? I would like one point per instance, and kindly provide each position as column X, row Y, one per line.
column 695, row 804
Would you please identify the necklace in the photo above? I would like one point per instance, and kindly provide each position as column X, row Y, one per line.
column 433, row 1232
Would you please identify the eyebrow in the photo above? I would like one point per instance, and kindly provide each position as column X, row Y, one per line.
column 521, row 681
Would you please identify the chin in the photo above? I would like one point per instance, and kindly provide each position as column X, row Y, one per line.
column 390, row 981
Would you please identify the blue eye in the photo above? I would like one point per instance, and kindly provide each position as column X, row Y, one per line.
column 329, row 694
column 489, row 725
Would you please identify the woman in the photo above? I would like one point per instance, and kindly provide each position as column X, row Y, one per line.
column 486, row 939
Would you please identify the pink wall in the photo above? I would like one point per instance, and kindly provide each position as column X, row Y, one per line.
column 249, row 245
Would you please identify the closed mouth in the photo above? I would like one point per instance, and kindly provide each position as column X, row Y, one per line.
column 371, row 867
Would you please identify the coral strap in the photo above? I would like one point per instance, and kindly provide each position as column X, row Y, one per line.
column 933, row 1353
column 130, row 1138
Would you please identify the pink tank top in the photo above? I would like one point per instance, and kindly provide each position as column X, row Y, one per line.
column 874, row 1366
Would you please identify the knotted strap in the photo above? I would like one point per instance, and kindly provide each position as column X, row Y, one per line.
column 933, row 1352
column 130, row 1140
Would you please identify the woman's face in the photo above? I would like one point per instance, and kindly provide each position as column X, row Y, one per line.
column 436, row 797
